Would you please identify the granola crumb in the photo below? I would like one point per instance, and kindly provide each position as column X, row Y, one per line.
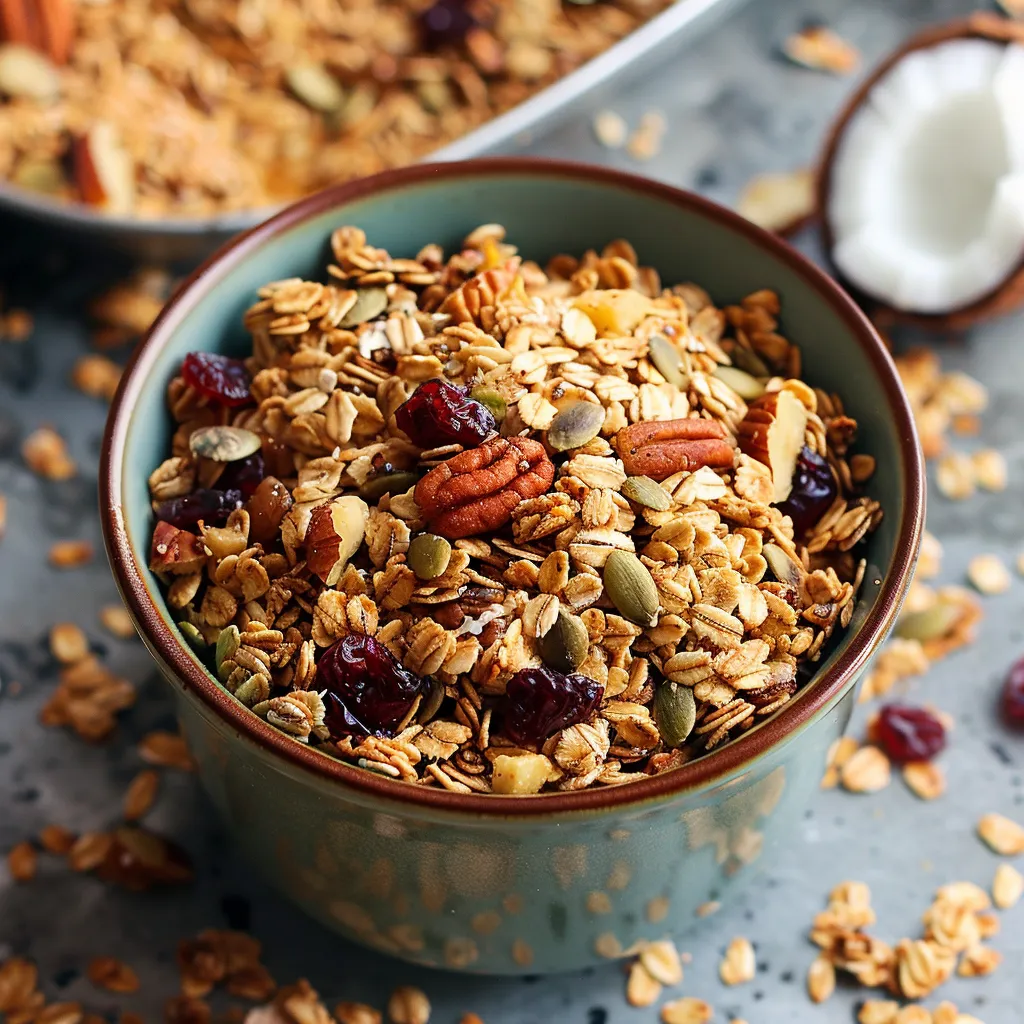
column 929, row 562
column 70, row 554
column 610, row 129
column 68, row 643
column 21, row 862
column 409, row 1005
column 641, row 988
column 16, row 325
column 645, row 142
column 708, row 908
column 166, row 750
column 140, row 795
column 988, row 574
column 1007, row 886
column 115, row 619
column 356, row 1013
column 112, row 975
column 1002, row 835
column 57, row 839
column 661, row 961
column 738, row 965
column 821, row 979
column 954, row 476
column 46, row 454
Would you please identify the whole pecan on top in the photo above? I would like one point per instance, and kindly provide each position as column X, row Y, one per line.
column 665, row 447
column 45, row 25
column 477, row 490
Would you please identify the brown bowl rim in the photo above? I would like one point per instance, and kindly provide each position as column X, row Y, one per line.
column 700, row 773
column 1005, row 296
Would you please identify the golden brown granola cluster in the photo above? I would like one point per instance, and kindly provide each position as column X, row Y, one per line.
column 158, row 108
column 635, row 551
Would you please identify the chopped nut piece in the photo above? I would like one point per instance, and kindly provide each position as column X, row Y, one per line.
column 115, row 619
column 738, row 965
column 988, row 574
column 141, row 794
column 57, row 839
column 778, row 202
column 1007, row 886
column 989, row 469
column 167, row 750
column 954, row 476
column 821, row 979
column 97, row 376
column 1003, row 835
column 21, row 862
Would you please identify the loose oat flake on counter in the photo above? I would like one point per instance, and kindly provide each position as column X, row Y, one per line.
column 476, row 524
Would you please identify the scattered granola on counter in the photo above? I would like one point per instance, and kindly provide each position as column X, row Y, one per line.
column 575, row 527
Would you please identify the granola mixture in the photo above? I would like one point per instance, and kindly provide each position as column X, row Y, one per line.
column 492, row 527
column 157, row 108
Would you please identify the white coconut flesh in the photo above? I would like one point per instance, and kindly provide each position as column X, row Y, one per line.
column 926, row 199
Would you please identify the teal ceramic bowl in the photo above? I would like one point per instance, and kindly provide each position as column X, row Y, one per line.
column 494, row 884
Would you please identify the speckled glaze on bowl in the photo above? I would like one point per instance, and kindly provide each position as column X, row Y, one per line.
column 495, row 884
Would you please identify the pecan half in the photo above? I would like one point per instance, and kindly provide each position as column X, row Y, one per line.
column 45, row 25
column 665, row 447
column 476, row 491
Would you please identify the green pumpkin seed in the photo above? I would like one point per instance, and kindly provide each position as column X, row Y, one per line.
column 750, row 361
column 371, row 303
column 316, row 87
column 564, row 646
column 227, row 644
column 675, row 711
column 575, row 425
column 647, row 492
column 193, row 637
column 224, row 444
column 929, row 623
column 631, row 588
column 428, row 555
column 431, row 702
column 746, row 386
column 376, row 487
column 490, row 398
column 667, row 361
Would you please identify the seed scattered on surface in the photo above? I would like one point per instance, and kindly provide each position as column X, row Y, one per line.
column 565, row 645
column 661, row 960
column 70, row 554
column 1002, row 835
column 738, row 965
column 675, row 711
column 641, row 988
column 115, row 619
column 224, row 443
column 821, row 979
column 821, row 49
column 988, row 574
column 492, row 399
column 575, row 425
column 647, row 492
column 631, row 588
column 990, row 472
column 925, row 780
column 369, row 305
column 954, row 476
column 111, row 974
column 57, row 839
column 140, row 795
column 667, row 360
column 428, row 555
column 687, row 1010
column 46, row 454
column 166, row 750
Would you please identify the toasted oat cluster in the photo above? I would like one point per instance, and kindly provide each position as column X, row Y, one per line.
column 479, row 524
column 158, row 108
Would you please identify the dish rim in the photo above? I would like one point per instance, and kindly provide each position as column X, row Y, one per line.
column 700, row 773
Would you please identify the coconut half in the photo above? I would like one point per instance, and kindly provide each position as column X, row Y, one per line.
column 921, row 191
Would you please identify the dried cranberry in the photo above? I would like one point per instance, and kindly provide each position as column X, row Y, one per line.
column 368, row 692
column 446, row 23
column 440, row 413
column 245, row 475
column 909, row 734
column 540, row 701
column 210, row 505
column 219, row 378
column 814, row 490
column 1013, row 695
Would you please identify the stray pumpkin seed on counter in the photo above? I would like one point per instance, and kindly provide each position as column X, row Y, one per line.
column 500, row 528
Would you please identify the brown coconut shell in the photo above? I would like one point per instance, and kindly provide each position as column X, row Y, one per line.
column 1004, row 297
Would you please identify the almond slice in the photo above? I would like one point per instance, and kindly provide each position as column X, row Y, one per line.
column 773, row 433
column 104, row 169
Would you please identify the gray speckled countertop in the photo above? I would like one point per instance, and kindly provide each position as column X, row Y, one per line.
column 733, row 109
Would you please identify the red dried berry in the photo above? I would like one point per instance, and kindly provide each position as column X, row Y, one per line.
column 909, row 734
column 368, row 693
column 814, row 490
column 245, row 475
column 446, row 23
column 540, row 701
column 219, row 378
column 1013, row 695
column 211, row 506
column 440, row 413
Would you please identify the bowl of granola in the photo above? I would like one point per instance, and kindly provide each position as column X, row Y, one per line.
column 514, row 579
